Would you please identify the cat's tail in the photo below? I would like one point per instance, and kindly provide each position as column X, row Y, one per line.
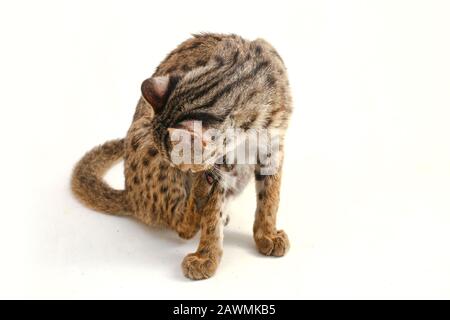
column 88, row 184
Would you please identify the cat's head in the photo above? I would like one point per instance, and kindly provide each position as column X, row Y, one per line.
column 187, row 141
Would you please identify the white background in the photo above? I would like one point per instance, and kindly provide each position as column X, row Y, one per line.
column 365, row 196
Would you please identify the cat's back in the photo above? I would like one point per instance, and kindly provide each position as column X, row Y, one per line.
column 193, row 53
column 197, row 51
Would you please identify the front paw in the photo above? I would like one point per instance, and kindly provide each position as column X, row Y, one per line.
column 198, row 267
column 272, row 244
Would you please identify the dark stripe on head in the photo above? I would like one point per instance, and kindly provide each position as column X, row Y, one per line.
column 236, row 57
column 258, row 50
column 219, row 60
column 201, row 62
column 231, row 86
column 271, row 81
column 228, row 88
column 222, row 73
column 185, row 68
column 193, row 94
column 171, row 69
column 181, row 95
column 206, row 118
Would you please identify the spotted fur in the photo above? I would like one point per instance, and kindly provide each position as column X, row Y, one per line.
column 226, row 82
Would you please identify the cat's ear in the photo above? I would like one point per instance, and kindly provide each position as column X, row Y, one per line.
column 157, row 90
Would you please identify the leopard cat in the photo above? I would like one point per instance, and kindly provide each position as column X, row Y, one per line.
column 224, row 81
